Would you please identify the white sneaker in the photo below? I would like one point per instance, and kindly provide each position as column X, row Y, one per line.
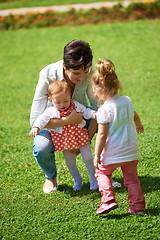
column 116, row 184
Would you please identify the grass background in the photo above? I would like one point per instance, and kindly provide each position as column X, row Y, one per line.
column 33, row 3
column 27, row 213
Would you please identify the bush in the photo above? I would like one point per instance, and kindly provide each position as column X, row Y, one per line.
column 135, row 11
column 3, row 1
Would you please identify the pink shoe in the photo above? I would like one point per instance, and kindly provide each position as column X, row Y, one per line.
column 107, row 207
column 132, row 211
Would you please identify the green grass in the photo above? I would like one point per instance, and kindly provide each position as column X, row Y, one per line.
column 27, row 213
column 36, row 3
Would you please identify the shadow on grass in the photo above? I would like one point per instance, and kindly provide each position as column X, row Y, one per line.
column 147, row 212
column 152, row 211
column 113, row 216
column 148, row 183
column 83, row 192
column 95, row 194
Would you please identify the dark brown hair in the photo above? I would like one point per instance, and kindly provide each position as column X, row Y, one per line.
column 77, row 54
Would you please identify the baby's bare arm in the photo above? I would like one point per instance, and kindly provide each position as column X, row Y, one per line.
column 138, row 123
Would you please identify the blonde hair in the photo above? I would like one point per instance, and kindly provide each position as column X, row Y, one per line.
column 105, row 82
column 58, row 87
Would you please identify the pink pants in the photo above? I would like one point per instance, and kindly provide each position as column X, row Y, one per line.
column 131, row 181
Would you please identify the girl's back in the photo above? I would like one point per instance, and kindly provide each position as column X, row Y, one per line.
column 121, row 144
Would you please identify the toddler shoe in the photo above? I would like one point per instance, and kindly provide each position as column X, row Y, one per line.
column 132, row 211
column 107, row 207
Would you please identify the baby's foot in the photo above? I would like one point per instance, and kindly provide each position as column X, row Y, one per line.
column 94, row 184
column 77, row 185
column 50, row 186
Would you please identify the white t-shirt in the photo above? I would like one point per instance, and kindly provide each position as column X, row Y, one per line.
column 121, row 144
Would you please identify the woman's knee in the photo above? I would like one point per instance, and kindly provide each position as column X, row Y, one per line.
column 43, row 143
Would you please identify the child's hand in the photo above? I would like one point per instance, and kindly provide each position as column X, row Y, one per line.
column 34, row 132
column 96, row 161
column 139, row 128
column 95, row 115
column 138, row 123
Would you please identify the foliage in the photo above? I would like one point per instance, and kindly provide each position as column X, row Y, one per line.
column 135, row 11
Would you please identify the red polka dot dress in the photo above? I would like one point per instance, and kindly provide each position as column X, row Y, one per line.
column 72, row 135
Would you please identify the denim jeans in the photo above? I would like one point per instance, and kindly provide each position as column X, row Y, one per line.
column 43, row 151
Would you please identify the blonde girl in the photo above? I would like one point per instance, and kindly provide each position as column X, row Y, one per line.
column 71, row 136
column 116, row 142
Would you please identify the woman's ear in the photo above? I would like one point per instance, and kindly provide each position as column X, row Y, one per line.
column 64, row 66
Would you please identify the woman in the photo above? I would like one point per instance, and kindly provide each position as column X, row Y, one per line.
column 75, row 69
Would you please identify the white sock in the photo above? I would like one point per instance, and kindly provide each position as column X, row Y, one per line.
column 88, row 160
column 70, row 159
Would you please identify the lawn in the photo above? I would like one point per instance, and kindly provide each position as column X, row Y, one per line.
column 27, row 213
column 36, row 3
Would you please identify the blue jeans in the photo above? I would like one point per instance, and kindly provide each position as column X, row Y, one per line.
column 43, row 151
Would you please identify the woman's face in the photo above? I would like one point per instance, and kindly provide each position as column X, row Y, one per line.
column 76, row 76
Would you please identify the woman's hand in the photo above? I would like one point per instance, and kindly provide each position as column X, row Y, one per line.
column 73, row 118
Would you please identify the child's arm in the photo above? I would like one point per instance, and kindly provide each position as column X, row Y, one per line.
column 40, row 123
column 92, row 129
column 93, row 126
column 34, row 132
column 86, row 111
column 100, row 142
column 138, row 123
